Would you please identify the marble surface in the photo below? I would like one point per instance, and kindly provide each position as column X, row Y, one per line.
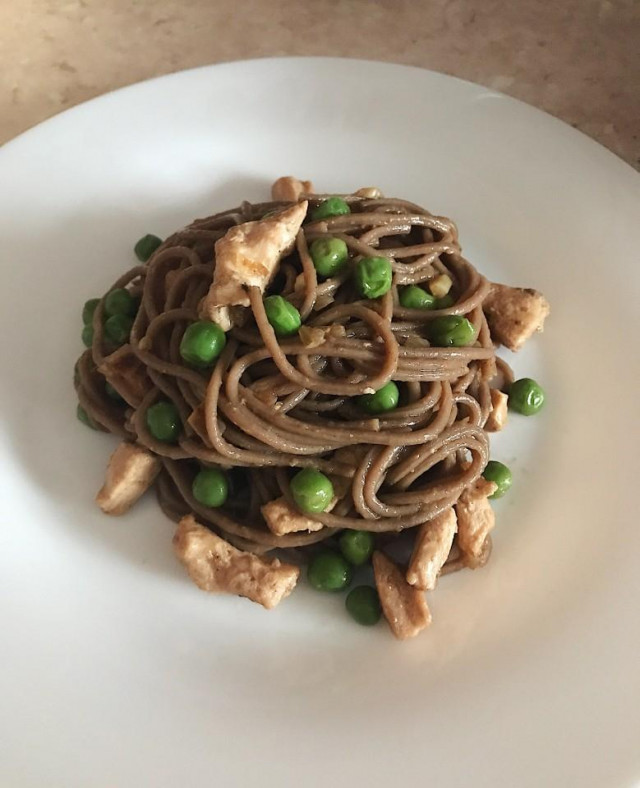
column 577, row 59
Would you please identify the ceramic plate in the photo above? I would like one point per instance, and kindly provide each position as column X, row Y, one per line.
column 116, row 670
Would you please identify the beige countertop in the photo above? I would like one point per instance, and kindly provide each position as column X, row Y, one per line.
column 577, row 59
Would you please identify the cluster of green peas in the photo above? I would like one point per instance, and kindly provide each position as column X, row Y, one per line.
column 203, row 341
column 120, row 308
column 372, row 277
column 526, row 397
column 332, row 570
column 329, row 570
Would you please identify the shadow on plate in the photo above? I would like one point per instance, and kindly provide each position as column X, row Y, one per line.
column 56, row 270
column 60, row 265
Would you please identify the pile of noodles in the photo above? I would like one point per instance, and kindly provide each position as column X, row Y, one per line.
column 270, row 406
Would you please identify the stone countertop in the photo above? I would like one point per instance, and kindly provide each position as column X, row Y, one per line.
column 577, row 59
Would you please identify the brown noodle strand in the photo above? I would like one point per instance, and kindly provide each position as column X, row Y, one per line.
column 271, row 405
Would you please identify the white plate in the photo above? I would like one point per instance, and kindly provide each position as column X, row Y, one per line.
column 115, row 670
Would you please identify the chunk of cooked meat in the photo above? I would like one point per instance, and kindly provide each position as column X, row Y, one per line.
column 404, row 606
column 475, row 520
column 350, row 455
column 440, row 285
column 282, row 518
column 498, row 416
column 222, row 316
column 313, row 336
column 248, row 255
column 368, row 192
column 289, row 189
column 130, row 473
column 514, row 314
column 215, row 565
column 431, row 550
column 227, row 316
column 127, row 374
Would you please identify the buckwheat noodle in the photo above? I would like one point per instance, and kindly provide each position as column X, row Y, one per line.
column 270, row 406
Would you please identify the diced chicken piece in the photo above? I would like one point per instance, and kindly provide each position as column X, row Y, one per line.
column 227, row 316
column 488, row 369
column 351, row 455
column 215, row 565
column 299, row 285
column 440, row 285
column 514, row 314
column 456, row 560
column 222, row 316
column 431, row 550
column 130, row 473
column 282, row 518
column 127, row 374
column 404, row 606
column 289, row 189
column 267, row 396
column 369, row 192
column 498, row 416
column 248, row 255
column 485, row 554
column 475, row 520
column 313, row 336
column 323, row 301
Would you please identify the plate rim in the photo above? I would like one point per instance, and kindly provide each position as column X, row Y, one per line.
column 319, row 59
column 136, row 86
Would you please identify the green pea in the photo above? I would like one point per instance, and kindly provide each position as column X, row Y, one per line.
column 373, row 276
column 210, row 488
column 146, row 246
column 202, row 343
column 120, row 302
column 87, row 335
column 499, row 473
column 414, row 297
column 88, row 309
column 451, row 330
column 363, row 605
column 329, row 255
column 163, row 421
column 356, row 546
column 282, row 315
column 113, row 393
column 117, row 328
column 329, row 571
column 526, row 396
column 333, row 206
column 85, row 418
column 311, row 490
column 383, row 400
